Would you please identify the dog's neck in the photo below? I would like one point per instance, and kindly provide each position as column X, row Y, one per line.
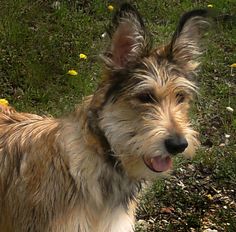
column 97, row 132
column 112, row 177
column 90, row 117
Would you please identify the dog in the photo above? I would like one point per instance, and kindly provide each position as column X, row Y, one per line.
column 82, row 173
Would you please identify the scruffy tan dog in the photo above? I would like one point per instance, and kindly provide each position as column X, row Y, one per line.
column 82, row 173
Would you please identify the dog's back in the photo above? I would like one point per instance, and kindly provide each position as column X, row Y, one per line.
column 31, row 170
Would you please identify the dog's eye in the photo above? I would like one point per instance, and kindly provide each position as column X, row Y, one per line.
column 146, row 97
column 180, row 97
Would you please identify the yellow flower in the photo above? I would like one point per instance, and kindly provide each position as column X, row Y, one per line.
column 233, row 65
column 110, row 8
column 209, row 196
column 209, row 5
column 4, row 102
column 72, row 72
column 82, row 56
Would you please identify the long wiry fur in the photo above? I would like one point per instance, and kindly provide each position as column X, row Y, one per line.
column 54, row 177
column 82, row 173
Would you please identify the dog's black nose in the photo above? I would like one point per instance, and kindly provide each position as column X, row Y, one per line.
column 176, row 144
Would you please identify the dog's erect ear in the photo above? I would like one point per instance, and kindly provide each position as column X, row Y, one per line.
column 185, row 46
column 129, row 40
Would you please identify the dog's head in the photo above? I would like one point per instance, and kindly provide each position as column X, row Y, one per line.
column 142, row 105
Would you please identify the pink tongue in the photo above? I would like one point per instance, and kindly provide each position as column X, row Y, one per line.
column 160, row 164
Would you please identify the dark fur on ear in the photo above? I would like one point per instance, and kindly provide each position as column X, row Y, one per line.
column 129, row 39
column 203, row 13
column 125, row 9
column 185, row 46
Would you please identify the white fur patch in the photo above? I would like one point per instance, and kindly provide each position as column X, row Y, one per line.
column 117, row 221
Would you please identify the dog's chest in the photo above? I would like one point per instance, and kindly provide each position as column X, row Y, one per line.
column 116, row 220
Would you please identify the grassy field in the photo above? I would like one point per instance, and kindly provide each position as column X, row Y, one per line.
column 42, row 40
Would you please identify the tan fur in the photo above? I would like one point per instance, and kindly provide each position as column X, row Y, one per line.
column 83, row 173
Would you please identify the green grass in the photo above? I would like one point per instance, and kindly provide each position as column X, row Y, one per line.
column 39, row 44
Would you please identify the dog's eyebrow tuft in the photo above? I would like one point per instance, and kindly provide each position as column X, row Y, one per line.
column 147, row 96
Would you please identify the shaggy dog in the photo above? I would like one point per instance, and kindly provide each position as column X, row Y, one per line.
column 83, row 173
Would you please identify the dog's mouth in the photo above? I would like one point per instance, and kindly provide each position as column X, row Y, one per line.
column 158, row 163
